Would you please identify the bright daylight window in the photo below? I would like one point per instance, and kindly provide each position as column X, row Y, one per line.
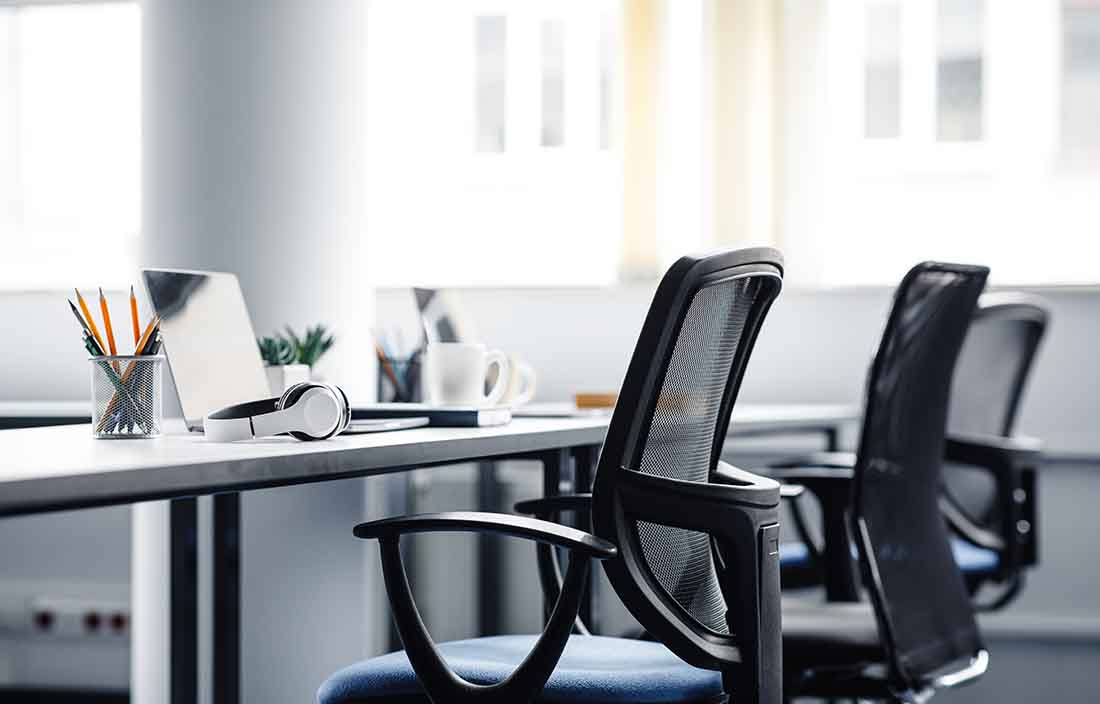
column 950, row 124
column 1080, row 109
column 70, row 142
column 490, row 140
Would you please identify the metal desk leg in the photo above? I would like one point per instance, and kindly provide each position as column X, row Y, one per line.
column 586, row 458
column 183, row 601
column 556, row 467
column 227, row 598
column 488, row 554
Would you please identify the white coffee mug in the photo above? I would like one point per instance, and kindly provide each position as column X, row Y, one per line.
column 454, row 374
column 520, row 386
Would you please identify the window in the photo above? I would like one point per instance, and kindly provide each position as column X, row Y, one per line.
column 882, row 71
column 487, row 143
column 1080, row 84
column 959, row 70
column 492, row 83
column 553, row 82
column 943, row 140
column 70, row 142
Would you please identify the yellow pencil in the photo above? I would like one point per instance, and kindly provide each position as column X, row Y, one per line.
column 89, row 319
column 107, row 322
column 134, row 320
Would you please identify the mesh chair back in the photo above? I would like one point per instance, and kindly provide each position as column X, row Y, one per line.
column 921, row 602
column 989, row 381
column 671, row 421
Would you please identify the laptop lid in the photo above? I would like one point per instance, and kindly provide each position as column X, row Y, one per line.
column 208, row 340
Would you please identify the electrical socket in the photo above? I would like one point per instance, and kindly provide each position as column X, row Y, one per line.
column 56, row 617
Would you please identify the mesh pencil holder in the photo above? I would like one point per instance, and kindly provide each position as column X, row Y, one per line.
column 126, row 396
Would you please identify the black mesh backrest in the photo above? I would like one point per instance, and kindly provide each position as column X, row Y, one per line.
column 673, row 411
column 989, row 381
column 919, row 596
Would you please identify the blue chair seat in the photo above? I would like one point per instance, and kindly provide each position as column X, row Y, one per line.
column 793, row 554
column 971, row 559
column 593, row 669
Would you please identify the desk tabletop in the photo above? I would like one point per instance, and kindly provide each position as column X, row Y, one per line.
column 60, row 467
column 57, row 467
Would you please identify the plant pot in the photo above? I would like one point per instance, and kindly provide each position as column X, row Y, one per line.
column 283, row 376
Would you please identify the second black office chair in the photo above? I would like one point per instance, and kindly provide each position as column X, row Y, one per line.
column 989, row 482
column 918, row 633
column 691, row 546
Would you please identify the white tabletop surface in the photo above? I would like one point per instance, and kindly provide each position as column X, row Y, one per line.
column 64, row 466
column 58, row 465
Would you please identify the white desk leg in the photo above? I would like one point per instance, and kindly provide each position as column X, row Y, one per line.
column 163, row 650
column 149, row 584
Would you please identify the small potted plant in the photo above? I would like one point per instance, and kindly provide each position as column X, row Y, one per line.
column 289, row 358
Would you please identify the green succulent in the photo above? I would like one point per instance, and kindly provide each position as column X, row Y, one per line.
column 276, row 350
column 309, row 348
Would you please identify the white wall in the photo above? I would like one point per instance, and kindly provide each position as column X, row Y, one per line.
column 815, row 346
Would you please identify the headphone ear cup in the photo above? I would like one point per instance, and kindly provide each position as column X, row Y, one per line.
column 290, row 397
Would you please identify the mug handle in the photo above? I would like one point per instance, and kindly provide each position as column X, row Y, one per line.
column 501, row 360
column 528, row 373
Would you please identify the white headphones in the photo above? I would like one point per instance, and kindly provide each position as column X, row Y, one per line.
column 308, row 411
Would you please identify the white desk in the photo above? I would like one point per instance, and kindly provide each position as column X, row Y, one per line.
column 63, row 467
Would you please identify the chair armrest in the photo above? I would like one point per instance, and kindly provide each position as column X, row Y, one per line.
column 541, row 531
column 555, row 504
column 731, row 485
column 825, row 460
column 824, row 482
column 991, row 451
column 791, row 491
column 551, row 576
column 833, row 489
column 527, row 680
column 1012, row 463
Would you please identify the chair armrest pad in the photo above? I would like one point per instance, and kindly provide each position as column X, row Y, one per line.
column 500, row 523
column 728, row 484
column 555, row 504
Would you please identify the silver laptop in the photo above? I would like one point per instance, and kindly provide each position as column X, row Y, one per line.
column 208, row 340
column 211, row 346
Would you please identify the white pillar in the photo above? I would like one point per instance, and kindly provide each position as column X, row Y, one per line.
column 253, row 152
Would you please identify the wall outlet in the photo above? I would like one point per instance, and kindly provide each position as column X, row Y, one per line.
column 55, row 617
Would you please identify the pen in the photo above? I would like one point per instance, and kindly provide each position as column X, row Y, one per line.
column 89, row 341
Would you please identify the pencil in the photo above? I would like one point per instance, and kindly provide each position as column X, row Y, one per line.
column 91, row 321
column 154, row 323
column 134, row 319
column 107, row 322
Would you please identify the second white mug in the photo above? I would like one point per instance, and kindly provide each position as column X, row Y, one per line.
column 454, row 374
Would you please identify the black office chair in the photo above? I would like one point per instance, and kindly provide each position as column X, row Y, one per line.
column 690, row 544
column 919, row 626
column 989, row 487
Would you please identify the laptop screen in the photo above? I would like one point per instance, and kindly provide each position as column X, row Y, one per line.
column 208, row 340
